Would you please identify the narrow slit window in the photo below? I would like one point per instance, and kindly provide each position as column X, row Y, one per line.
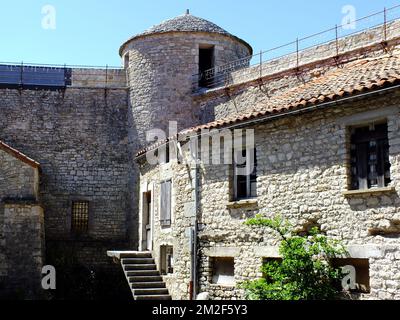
column 245, row 174
column 165, row 209
column 206, row 65
column 80, row 217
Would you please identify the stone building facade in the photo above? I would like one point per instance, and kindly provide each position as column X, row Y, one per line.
column 95, row 192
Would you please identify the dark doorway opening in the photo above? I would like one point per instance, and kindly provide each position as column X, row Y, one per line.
column 206, row 62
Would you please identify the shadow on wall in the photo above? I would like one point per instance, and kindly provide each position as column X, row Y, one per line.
column 78, row 281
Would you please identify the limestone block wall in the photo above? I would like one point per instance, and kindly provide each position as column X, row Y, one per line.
column 313, row 54
column 247, row 90
column 80, row 137
column 302, row 174
column 98, row 78
column 24, row 246
column 177, row 236
column 17, row 179
column 160, row 75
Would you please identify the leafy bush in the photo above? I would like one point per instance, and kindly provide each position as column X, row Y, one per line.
column 305, row 272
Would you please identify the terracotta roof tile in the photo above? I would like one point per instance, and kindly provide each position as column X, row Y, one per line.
column 353, row 78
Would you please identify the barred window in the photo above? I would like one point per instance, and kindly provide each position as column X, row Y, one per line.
column 245, row 175
column 370, row 165
column 80, row 216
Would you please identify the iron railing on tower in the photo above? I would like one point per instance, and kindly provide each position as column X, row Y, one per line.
column 291, row 53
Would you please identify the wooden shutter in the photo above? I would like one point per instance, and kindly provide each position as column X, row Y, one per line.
column 362, row 165
column 165, row 210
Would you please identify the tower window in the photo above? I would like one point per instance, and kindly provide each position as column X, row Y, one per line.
column 370, row 166
column 80, row 216
column 206, row 64
column 126, row 61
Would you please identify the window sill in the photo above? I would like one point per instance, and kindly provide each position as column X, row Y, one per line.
column 369, row 191
column 242, row 204
column 223, row 285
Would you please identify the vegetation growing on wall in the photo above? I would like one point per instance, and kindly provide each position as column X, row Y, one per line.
column 304, row 273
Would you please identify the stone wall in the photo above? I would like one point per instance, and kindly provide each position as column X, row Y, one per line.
column 160, row 74
column 98, row 78
column 311, row 54
column 302, row 175
column 281, row 75
column 80, row 137
column 177, row 236
column 17, row 179
column 23, row 227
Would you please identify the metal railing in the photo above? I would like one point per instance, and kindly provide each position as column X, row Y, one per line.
column 292, row 54
column 34, row 75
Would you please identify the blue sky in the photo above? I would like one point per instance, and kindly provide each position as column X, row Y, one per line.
column 89, row 32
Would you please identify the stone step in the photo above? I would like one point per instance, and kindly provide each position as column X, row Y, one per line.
column 153, row 297
column 135, row 255
column 148, row 285
column 150, row 292
column 151, row 278
column 142, row 273
column 146, row 267
column 137, row 261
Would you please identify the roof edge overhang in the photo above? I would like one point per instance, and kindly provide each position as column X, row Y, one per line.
column 19, row 155
column 310, row 106
column 142, row 36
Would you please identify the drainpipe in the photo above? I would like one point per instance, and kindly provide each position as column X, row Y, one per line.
column 193, row 234
column 194, row 177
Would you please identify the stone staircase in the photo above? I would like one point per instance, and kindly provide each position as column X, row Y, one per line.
column 143, row 277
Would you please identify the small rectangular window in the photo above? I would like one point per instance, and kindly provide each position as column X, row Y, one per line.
column 357, row 274
column 223, row 271
column 167, row 260
column 245, row 174
column 370, row 165
column 165, row 207
column 206, row 64
column 126, row 60
column 80, row 217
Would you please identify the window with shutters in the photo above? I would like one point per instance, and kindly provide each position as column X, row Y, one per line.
column 165, row 205
column 370, row 166
column 245, row 174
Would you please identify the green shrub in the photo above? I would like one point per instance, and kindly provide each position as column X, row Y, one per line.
column 305, row 272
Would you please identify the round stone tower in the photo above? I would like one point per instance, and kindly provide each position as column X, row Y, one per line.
column 161, row 63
